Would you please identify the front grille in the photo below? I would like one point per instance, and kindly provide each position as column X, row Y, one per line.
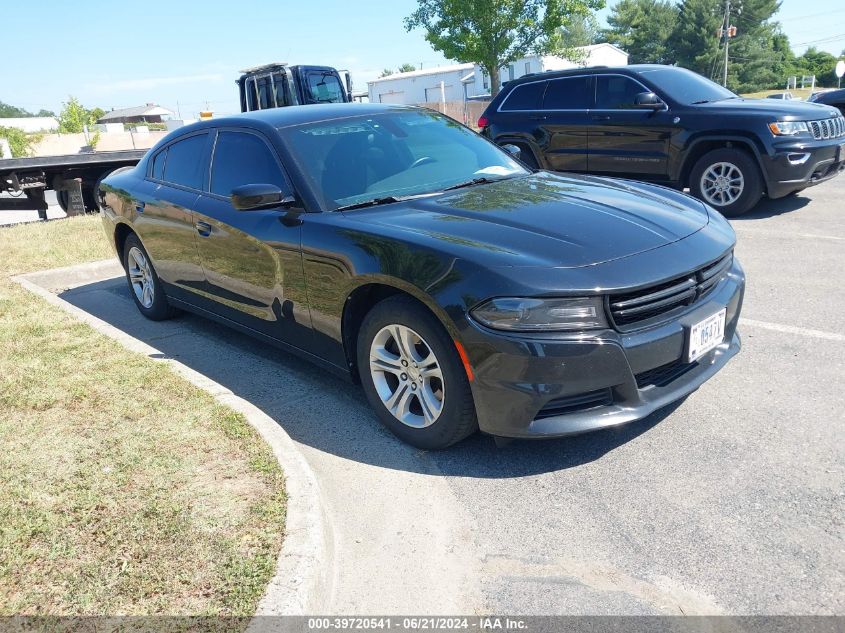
column 579, row 402
column 663, row 375
column 655, row 301
column 825, row 129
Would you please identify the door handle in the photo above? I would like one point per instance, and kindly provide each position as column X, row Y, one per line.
column 139, row 206
column 600, row 117
column 538, row 117
column 203, row 228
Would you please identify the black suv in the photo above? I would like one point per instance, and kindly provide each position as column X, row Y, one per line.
column 671, row 126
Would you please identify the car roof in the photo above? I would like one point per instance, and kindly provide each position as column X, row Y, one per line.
column 297, row 115
column 630, row 69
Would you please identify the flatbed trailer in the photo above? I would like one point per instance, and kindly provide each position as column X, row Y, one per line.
column 75, row 178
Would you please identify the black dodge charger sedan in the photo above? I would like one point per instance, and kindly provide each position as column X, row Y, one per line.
column 398, row 248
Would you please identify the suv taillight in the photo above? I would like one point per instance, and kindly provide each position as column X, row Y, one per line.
column 483, row 122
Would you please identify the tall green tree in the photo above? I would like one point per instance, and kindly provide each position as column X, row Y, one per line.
column 582, row 30
column 642, row 29
column 819, row 63
column 493, row 33
column 10, row 111
column 694, row 41
column 406, row 68
column 386, row 73
column 753, row 60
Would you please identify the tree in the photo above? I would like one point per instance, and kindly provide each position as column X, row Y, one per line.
column 386, row 73
column 407, row 68
column 74, row 116
column 694, row 43
column 582, row 30
column 642, row 28
column 493, row 33
column 10, row 111
column 819, row 63
column 753, row 59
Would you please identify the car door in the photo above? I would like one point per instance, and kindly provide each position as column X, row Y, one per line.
column 165, row 219
column 564, row 122
column 626, row 139
column 252, row 259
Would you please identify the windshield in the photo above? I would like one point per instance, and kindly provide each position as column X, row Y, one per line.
column 392, row 154
column 685, row 86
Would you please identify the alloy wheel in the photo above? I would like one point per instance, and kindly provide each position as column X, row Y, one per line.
column 722, row 184
column 407, row 376
column 141, row 277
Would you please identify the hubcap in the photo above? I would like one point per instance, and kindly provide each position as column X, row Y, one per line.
column 407, row 376
column 722, row 184
column 141, row 277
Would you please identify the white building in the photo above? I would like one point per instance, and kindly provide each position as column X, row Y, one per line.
column 461, row 81
column 31, row 123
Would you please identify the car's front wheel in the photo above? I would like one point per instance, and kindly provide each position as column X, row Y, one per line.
column 144, row 282
column 412, row 375
column 728, row 180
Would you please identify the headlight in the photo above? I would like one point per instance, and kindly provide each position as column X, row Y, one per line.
column 788, row 128
column 530, row 315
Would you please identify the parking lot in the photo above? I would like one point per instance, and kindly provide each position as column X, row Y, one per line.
column 729, row 502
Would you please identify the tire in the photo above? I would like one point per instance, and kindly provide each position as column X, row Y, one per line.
column 63, row 198
column 144, row 284
column 405, row 318
column 741, row 187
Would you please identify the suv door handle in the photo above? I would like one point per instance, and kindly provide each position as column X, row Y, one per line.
column 203, row 228
column 600, row 117
column 538, row 117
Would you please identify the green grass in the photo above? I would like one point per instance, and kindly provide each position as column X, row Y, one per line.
column 123, row 488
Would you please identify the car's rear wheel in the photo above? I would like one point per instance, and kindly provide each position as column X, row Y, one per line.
column 413, row 376
column 144, row 283
column 728, row 180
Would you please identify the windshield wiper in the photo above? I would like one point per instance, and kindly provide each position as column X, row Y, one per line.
column 481, row 180
column 372, row 203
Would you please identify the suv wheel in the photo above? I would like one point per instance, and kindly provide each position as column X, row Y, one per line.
column 728, row 180
column 412, row 375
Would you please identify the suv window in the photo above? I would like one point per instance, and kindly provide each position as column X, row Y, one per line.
column 184, row 162
column 158, row 164
column 243, row 159
column 615, row 92
column 324, row 87
column 525, row 97
column 567, row 93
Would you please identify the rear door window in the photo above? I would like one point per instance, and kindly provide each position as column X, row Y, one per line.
column 568, row 93
column 187, row 162
column 525, row 97
column 158, row 164
column 615, row 92
column 241, row 158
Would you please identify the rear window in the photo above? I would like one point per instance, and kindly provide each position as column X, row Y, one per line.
column 568, row 93
column 525, row 97
column 185, row 162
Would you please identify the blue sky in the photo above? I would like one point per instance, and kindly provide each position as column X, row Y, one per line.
column 187, row 54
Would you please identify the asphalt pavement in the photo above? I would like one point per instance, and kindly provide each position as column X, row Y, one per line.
column 728, row 502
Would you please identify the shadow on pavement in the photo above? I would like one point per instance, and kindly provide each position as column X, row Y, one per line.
column 767, row 208
column 326, row 413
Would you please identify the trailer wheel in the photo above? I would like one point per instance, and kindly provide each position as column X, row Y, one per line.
column 62, row 197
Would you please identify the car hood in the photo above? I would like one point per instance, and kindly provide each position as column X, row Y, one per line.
column 545, row 219
column 776, row 109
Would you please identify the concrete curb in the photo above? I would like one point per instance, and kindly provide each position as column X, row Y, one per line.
column 303, row 577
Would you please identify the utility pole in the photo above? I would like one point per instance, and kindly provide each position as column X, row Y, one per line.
column 727, row 38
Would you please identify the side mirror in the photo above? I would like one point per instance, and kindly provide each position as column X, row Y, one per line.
column 648, row 101
column 259, row 196
column 513, row 150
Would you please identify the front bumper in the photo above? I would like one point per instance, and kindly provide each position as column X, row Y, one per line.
column 795, row 165
column 555, row 385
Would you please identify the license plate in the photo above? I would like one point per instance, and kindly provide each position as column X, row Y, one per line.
column 705, row 335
